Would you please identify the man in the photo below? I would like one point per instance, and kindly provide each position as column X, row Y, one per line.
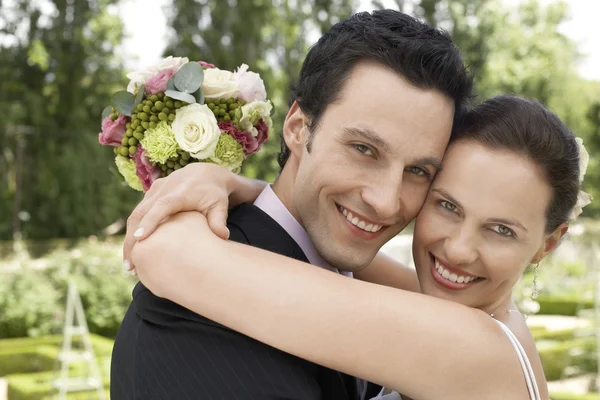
column 372, row 115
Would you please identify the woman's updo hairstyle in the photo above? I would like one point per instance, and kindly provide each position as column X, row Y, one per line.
column 526, row 127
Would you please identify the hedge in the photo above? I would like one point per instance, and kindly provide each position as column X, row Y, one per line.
column 570, row 396
column 562, row 305
column 557, row 356
column 38, row 386
column 40, row 354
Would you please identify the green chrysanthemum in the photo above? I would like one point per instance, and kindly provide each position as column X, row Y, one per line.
column 229, row 153
column 160, row 143
column 126, row 167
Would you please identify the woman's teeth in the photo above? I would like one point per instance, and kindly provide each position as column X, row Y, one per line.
column 365, row 226
column 452, row 276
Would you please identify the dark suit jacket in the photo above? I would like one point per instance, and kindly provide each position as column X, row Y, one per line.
column 165, row 351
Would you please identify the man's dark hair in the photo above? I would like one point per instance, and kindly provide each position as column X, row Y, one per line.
column 423, row 55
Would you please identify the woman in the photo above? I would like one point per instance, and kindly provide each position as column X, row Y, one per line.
column 502, row 201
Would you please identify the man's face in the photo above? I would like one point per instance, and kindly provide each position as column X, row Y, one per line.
column 372, row 158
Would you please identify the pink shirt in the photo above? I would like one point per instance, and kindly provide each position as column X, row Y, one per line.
column 272, row 206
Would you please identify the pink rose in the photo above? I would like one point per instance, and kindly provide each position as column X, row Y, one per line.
column 252, row 87
column 205, row 64
column 144, row 169
column 248, row 142
column 158, row 84
column 113, row 131
column 263, row 133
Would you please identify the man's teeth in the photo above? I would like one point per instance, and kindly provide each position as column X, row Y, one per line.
column 452, row 276
column 365, row 226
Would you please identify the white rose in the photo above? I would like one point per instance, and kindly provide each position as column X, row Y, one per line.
column 252, row 86
column 219, row 84
column 254, row 111
column 139, row 78
column 196, row 130
column 584, row 159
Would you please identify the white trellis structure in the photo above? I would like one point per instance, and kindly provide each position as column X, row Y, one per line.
column 76, row 325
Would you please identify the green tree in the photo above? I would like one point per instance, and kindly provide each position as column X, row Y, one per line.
column 57, row 71
column 272, row 37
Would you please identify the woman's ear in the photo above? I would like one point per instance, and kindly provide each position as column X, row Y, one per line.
column 551, row 242
column 295, row 130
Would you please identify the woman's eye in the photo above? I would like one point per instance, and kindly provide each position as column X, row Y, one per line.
column 363, row 149
column 418, row 171
column 502, row 230
column 448, row 206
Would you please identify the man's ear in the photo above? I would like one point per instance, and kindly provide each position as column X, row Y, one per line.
column 551, row 242
column 295, row 131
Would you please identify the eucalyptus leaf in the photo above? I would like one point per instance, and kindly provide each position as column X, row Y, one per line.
column 171, row 84
column 199, row 95
column 122, row 101
column 139, row 97
column 189, row 77
column 188, row 98
column 106, row 112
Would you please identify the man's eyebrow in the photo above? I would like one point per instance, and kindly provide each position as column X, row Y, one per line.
column 432, row 161
column 368, row 135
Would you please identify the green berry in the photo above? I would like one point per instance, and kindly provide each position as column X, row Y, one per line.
column 169, row 104
column 124, row 151
column 132, row 150
column 185, row 156
column 153, row 118
column 166, row 110
column 229, row 101
column 226, row 118
column 152, row 125
column 128, row 125
column 163, row 167
column 159, row 105
column 129, row 132
column 163, row 117
column 232, row 114
column 211, row 106
column 140, row 129
column 170, row 164
column 223, row 106
column 223, row 113
column 113, row 116
column 177, row 166
column 154, row 98
column 234, row 106
column 242, row 102
column 144, row 116
column 133, row 142
column 147, row 109
column 154, row 110
column 125, row 141
column 178, row 104
column 138, row 135
column 170, row 171
column 171, row 117
column 145, row 125
column 161, row 95
column 148, row 103
column 183, row 162
column 116, row 150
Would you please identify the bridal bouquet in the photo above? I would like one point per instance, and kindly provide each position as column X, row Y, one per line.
column 179, row 112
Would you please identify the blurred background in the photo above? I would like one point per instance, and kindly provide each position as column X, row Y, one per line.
column 63, row 205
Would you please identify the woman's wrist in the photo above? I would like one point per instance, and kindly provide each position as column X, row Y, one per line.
column 244, row 190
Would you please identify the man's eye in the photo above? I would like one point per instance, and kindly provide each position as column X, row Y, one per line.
column 363, row 149
column 503, row 230
column 418, row 171
column 448, row 206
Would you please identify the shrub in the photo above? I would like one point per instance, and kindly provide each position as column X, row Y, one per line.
column 563, row 305
column 557, row 356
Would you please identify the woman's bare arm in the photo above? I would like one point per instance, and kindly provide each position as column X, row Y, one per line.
column 422, row 346
column 384, row 270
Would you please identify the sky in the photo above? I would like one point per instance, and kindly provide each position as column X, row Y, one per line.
column 145, row 46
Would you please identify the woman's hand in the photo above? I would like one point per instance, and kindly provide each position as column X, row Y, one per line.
column 203, row 187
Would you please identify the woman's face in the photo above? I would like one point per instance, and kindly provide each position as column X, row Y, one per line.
column 482, row 223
